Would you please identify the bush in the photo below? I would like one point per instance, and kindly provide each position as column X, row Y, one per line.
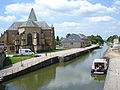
column 96, row 39
column 17, row 58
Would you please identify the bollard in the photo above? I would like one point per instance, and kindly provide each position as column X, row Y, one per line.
column 45, row 54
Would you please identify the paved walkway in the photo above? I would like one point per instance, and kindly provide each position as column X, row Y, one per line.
column 30, row 62
column 112, row 81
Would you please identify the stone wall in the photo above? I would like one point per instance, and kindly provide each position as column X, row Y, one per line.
column 40, row 65
column 72, row 45
column 76, row 44
column 2, row 58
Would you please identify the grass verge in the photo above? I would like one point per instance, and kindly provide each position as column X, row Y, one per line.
column 17, row 58
column 51, row 51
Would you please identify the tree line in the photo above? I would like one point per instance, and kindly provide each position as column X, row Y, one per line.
column 96, row 39
column 111, row 38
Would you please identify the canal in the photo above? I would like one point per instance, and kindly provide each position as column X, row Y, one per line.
column 72, row 75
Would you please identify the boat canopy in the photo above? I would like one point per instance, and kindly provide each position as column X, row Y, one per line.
column 99, row 61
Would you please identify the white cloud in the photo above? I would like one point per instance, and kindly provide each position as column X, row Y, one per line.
column 56, row 8
column 109, row 31
column 7, row 18
column 61, row 29
column 100, row 19
column 2, row 30
column 71, row 24
column 117, row 2
column 24, row 18
column 68, row 26
column 80, row 5
column 18, row 8
column 68, row 16
column 104, row 29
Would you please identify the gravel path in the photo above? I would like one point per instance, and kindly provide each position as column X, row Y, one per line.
column 113, row 75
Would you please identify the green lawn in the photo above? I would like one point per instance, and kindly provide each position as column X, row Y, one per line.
column 41, row 52
column 51, row 51
column 11, row 53
column 17, row 58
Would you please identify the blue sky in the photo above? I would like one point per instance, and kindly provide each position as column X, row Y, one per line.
column 98, row 17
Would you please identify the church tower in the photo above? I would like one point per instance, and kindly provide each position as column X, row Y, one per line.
column 32, row 15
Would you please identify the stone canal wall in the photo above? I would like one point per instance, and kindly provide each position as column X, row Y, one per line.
column 33, row 64
column 32, row 68
column 71, row 56
column 2, row 58
column 74, row 54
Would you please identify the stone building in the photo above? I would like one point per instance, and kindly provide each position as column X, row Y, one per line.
column 31, row 34
column 2, row 58
column 76, row 41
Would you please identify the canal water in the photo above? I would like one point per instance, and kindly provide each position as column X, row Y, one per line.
column 72, row 75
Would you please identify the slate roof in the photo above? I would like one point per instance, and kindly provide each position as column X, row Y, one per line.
column 32, row 15
column 73, row 38
column 82, row 36
column 15, row 25
column 31, row 22
column 43, row 24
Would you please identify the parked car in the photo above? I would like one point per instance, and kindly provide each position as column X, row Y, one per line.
column 25, row 52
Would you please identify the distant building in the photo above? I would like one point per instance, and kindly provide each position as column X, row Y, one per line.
column 30, row 34
column 116, row 44
column 116, row 41
column 76, row 41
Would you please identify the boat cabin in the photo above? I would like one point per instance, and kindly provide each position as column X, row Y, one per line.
column 99, row 66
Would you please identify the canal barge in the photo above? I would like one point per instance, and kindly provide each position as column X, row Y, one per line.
column 99, row 66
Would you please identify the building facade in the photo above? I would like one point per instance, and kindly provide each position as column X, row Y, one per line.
column 2, row 58
column 31, row 34
column 76, row 41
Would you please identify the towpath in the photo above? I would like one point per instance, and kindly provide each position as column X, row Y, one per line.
column 113, row 75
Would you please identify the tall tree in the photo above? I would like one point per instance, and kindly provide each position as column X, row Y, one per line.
column 111, row 38
column 96, row 39
column 58, row 38
column 67, row 35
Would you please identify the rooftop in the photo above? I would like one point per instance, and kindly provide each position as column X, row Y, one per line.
column 75, row 38
column 31, row 22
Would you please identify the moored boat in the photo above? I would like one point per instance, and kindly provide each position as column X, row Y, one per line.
column 99, row 66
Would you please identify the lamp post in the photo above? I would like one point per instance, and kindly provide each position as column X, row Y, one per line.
column 21, row 48
column 22, row 58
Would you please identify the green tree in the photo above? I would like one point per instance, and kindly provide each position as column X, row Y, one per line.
column 62, row 38
column 111, row 38
column 58, row 39
column 96, row 39
column 67, row 35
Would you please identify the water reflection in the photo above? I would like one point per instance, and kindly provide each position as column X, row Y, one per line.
column 98, row 78
column 2, row 87
column 72, row 75
column 33, row 80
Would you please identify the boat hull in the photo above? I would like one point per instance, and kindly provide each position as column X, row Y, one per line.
column 93, row 71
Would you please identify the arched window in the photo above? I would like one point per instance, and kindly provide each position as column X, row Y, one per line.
column 38, row 39
column 29, row 39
